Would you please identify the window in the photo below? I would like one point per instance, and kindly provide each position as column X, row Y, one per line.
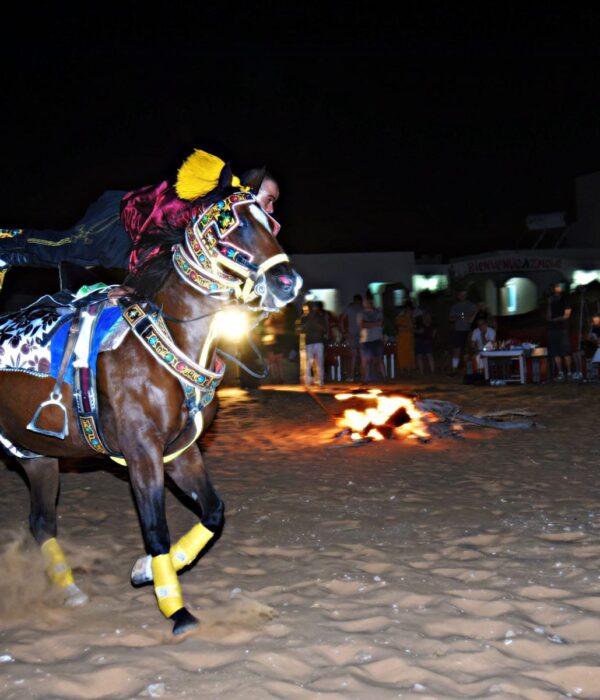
column 429, row 283
column 518, row 296
column 582, row 277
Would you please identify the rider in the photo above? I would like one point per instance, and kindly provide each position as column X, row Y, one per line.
column 106, row 234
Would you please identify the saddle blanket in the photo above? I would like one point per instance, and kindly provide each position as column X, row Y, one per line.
column 33, row 340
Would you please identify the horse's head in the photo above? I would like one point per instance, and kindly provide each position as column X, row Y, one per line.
column 231, row 252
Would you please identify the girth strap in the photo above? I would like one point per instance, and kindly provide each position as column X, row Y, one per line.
column 85, row 400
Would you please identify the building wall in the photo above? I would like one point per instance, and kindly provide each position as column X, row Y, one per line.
column 544, row 267
column 351, row 273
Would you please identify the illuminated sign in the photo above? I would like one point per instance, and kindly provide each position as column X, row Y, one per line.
column 511, row 263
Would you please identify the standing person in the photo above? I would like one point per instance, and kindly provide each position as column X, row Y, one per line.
column 425, row 332
column 559, row 343
column 314, row 326
column 483, row 312
column 593, row 338
column 405, row 339
column 105, row 236
column 330, row 321
column 371, row 342
column 349, row 322
column 462, row 313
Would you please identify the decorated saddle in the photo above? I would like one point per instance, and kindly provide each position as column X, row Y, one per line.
column 33, row 340
column 60, row 336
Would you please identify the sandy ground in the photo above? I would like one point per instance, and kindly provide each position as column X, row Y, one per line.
column 462, row 568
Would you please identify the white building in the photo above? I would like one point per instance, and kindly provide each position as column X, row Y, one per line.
column 334, row 278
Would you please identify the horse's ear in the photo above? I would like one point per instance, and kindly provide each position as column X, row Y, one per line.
column 253, row 178
column 225, row 178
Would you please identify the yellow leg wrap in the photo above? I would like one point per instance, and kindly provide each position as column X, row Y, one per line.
column 2, row 273
column 56, row 565
column 166, row 585
column 190, row 545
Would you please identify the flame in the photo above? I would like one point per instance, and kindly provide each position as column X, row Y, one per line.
column 380, row 413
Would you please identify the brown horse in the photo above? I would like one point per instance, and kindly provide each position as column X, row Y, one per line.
column 153, row 399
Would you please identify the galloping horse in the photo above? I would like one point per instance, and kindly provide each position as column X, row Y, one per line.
column 146, row 402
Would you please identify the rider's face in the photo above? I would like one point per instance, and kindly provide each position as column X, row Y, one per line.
column 267, row 195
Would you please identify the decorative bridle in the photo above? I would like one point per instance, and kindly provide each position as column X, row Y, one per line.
column 212, row 265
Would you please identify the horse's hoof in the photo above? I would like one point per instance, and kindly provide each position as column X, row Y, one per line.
column 142, row 571
column 184, row 621
column 75, row 596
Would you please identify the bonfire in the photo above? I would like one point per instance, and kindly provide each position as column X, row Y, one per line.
column 392, row 416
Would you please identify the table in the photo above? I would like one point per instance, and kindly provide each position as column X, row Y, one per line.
column 516, row 356
column 513, row 354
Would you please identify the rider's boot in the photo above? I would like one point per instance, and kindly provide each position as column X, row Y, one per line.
column 13, row 250
column 8, row 260
column 16, row 259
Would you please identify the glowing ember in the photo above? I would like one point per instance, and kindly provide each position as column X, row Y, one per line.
column 389, row 416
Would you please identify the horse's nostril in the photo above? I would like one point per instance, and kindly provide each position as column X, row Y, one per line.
column 285, row 281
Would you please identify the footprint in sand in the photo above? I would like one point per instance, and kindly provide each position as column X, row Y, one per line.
column 340, row 654
column 415, row 600
column 235, row 571
column 467, row 627
column 282, row 666
column 371, row 625
column 587, row 603
column 542, row 592
column 465, row 574
column 562, row 536
column 114, row 681
column 461, row 554
column 483, row 608
column 377, row 569
column 484, row 540
column 578, row 680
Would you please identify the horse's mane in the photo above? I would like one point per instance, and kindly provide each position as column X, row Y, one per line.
column 154, row 249
column 154, row 252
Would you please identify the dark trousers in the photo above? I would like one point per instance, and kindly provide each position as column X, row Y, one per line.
column 97, row 240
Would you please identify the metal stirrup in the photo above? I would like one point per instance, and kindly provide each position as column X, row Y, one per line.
column 56, row 393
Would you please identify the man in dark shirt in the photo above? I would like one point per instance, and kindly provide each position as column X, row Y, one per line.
column 559, row 343
column 313, row 325
column 351, row 331
column 462, row 313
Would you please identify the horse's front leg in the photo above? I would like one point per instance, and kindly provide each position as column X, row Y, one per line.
column 189, row 475
column 43, row 476
column 147, row 480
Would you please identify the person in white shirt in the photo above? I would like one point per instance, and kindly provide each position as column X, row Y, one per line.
column 480, row 337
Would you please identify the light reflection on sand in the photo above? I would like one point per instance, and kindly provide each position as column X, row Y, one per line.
column 457, row 569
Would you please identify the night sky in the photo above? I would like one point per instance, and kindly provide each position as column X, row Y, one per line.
column 434, row 130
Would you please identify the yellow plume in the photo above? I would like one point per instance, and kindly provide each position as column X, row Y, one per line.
column 198, row 175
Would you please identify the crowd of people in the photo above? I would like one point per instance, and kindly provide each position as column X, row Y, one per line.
column 424, row 341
